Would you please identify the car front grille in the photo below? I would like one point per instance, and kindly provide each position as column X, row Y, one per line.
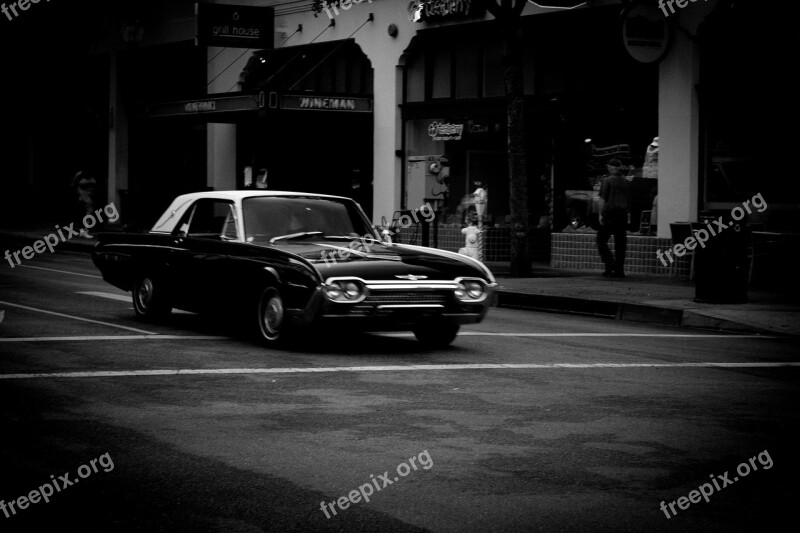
column 409, row 296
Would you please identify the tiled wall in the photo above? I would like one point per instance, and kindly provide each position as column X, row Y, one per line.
column 579, row 251
column 567, row 250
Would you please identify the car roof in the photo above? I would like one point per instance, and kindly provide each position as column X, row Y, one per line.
column 238, row 195
column 166, row 223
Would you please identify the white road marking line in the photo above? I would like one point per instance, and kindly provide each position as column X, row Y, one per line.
column 78, row 318
column 386, row 368
column 108, row 295
column 687, row 335
column 665, row 335
column 63, row 272
column 154, row 337
column 123, row 298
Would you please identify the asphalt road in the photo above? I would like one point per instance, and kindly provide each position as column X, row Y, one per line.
column 529, row 422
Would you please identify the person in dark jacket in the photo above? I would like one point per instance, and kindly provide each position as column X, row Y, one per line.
column 615, row 193
column 83, row 183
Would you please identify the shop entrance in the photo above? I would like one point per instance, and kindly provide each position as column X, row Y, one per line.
column 316, row 134
column 324, row 152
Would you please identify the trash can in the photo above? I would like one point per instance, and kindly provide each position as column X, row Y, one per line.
column 721, row 267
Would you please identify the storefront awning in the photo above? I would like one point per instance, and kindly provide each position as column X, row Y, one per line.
column 334, row 67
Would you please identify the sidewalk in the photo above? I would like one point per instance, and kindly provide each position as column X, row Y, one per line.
column 643, row 298
column 637, row 298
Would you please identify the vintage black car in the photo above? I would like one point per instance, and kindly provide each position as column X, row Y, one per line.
column 283, row 260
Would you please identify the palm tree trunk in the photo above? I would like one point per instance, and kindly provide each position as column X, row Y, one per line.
column 517, row 161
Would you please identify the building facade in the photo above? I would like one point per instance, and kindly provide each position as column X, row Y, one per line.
column 399, row 103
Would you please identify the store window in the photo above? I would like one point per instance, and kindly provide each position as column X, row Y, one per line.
column 441, row 72
column 468, row 80
column 746, row 94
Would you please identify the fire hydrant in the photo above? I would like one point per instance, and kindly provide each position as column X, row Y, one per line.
column 471, row 242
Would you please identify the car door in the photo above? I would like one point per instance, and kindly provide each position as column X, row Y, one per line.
column 199, row 259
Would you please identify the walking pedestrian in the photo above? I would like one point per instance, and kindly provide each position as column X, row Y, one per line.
column 615, row 197
column 83, row 183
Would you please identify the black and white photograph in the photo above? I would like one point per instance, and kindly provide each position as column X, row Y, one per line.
column 398, row 266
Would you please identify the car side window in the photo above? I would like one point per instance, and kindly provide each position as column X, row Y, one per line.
column 210, row 219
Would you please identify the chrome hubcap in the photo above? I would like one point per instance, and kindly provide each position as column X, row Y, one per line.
column 144, row 294
column 272, row 315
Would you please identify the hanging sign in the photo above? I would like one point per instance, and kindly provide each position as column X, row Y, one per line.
column 326, row 103
column 234, row 26
column 645, row 33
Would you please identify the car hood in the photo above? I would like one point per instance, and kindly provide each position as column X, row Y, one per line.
column 384, row 261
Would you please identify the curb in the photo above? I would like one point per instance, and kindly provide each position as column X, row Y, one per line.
column 631, row 312
column 73, row 244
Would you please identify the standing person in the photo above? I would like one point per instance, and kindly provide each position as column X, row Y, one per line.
column 615, row 196
column 84, row 184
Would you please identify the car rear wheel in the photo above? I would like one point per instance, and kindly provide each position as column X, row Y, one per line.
column 436, row 334
column 270, row 315
column 149, row 300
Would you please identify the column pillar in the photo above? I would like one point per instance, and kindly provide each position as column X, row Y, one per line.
column 679, row 135
column 117, row 138
column 387, row 128
column 221, row 156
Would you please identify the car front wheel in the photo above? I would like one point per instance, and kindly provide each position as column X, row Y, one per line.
column 149, row 300
column 270, row 315
column 436, row 334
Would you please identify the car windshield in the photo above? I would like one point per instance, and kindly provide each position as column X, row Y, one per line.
column 286, row 219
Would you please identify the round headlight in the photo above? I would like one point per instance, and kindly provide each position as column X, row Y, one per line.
column 460, row 291
column 334, row 292
column 474, row 289
column 352, row 290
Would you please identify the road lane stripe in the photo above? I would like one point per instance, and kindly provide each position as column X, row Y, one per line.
column 124, row 298
column 63, row 272
column 119, row 297
column 385, row 368
column 77, row 318
column 665, row 335
column 154, row 337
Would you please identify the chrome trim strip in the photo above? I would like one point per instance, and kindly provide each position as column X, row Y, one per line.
column 413, row 285
column 411, row 306
column 396, row 282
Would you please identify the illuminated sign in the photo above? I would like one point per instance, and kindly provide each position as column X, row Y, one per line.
column 327, row 103
column 203, row 105
column 429, row 10
column 440, row 131
column 645, row 32
column 234, row 26
column 211, row 105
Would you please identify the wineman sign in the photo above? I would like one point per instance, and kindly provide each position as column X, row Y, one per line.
column 234, row 26
column 327, row 103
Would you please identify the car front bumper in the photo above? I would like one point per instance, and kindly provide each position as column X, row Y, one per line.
column 396, row 304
